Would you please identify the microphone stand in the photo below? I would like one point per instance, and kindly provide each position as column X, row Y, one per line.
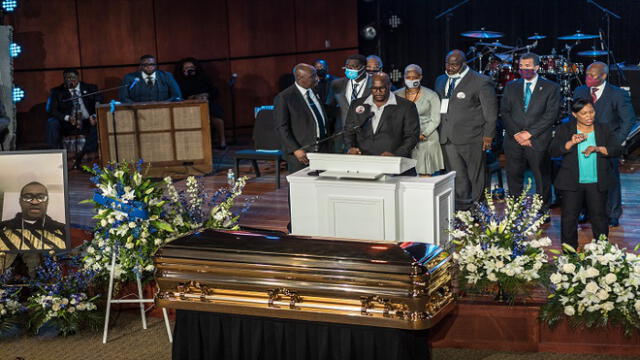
column 449, row 13
column 339, row 133
column 607, row 14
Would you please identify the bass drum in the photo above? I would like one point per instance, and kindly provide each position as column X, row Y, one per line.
column 508, row 72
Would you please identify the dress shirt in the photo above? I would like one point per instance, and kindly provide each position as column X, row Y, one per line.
column 303, row 92
column 533, row 82
column 145, row 77
column 458, row 78
column 599, row 91
column 377, row 111
column 361, row 85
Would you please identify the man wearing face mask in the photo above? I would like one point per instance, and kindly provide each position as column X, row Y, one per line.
column 300, row 118
column 324, row 79
column 468, row 111
column 355, row 85
column 530, row 107
column 613, row 108
column 149, row 84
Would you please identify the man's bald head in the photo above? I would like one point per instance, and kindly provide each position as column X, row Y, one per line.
column 454, row 62
column 382, row 76
column 380, row 87
column 305, row 75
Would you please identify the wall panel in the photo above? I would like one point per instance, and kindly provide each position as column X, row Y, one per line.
column 107, row 78
column 191, row 28
column 48, row 34
column 31, row 113
column 115, row 32
column 325, row 25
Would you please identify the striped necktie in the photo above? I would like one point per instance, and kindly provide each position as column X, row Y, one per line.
column 317, row 113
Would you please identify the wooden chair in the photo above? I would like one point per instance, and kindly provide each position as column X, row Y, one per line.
column 266, row 144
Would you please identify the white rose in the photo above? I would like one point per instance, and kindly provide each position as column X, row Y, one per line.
column 71, row 309
column 610, row 278
column 103, row 222
column 608, row 306
column 91, row 250
column 55, row 307
column 499, row 264
column 492, row 277
column 472, row 268
column 592, row 287
column 65, row 301
column 637, row 306
column 556, row 278
column 129, row 245
column 545, row 241
column 592, row 272
column 602, row 295
column 569, row 310
column 568, row 268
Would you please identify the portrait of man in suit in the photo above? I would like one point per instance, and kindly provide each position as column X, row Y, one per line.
column 71, row 111
column 468, row 111
column 530, row 106
column 300, row 119
column 149, row 84
column 382, row 123
column 613, row 108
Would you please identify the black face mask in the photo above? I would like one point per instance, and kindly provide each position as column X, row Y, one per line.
column 321, row 74
column 371, row 72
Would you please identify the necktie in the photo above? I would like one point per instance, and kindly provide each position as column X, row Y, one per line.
column 317, row 113
column 452, row 85
column 76, row 101
column 149, row 81
column 354, row 91
column 594, row 97
column 527, row 96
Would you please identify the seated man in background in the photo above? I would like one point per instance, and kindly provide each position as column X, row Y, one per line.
column 72, row 112
column 382, row 123
column 149, row 84
column 195, row 84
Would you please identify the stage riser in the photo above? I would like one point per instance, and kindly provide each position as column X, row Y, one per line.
column 518, row 328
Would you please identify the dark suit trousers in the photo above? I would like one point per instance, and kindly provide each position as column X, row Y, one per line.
column 56, row 130
column 468, row 161
column 518, row 157
column 614, row 200
column 572, row 203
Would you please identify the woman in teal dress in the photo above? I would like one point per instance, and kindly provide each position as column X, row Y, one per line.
column 584, row 176
column 428, row 152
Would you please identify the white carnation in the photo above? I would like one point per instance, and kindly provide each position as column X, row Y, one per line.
column 556, row 278
column 569, row 310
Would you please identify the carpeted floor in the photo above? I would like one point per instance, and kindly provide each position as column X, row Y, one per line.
column 127, row 340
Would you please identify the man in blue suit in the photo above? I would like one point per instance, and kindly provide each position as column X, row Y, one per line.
column 613, row 107
column 149, row 84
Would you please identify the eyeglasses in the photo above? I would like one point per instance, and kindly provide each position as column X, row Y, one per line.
column 148, row 64
column 37, row 197
column 378, row 89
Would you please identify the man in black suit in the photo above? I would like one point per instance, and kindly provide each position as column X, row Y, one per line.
column 382, row 123
column 300, row 118
column 149, row 84
column 530, row 107
column 613, row 108
column 355, row 85
column 324, row 79
column 71, row 114
column 469, row 109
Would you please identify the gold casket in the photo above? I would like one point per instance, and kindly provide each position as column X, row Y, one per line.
column 404, row 286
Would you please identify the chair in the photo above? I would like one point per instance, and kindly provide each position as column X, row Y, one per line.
column 266, row 144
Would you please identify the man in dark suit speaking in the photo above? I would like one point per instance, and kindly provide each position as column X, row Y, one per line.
column 613, row 108
column 300, row 118
column 149, row 84
column 530, row 107
column 382, row 123
column 469, row 109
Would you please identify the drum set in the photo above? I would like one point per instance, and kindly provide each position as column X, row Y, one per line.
column 500, row 61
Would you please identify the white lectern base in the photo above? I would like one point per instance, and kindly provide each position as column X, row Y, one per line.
column 392, row 208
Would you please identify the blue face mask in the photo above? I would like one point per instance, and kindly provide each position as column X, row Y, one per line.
column 351, row 74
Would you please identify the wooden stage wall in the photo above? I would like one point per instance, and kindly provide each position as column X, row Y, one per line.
column 259, row 40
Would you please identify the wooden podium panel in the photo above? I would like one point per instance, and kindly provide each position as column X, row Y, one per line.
column 174, row 137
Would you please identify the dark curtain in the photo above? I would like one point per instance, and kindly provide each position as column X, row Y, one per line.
column 204, row 335
column 420, row 39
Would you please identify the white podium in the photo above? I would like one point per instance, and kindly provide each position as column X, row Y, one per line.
column 355, row 198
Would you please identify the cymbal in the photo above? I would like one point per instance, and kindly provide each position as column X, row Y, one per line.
column 593, row 53
column 505, row 57
column 578, row 36
column 537, row 37
column 482, row 34
column 495, row 44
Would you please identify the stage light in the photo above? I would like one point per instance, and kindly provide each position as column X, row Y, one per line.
column 9, row 5
column 18, row 94
column 14, row 50
column 369, row 32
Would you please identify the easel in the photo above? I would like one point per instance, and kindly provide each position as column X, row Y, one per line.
column 139, row 300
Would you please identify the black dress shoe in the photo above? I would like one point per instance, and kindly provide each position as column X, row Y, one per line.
column 614, row 222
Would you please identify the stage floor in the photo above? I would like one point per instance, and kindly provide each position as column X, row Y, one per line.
column 270, row 206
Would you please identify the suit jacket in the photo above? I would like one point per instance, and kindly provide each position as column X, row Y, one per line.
column 541, row 115
column 398, row 129
column 612, row 108
column 569, row 173
column 165, row 88
column 337, row 102
column 59, row 108
column 472, row 112
column 295, row 122
column 324, row 87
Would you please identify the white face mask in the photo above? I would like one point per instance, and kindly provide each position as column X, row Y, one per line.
column 411, row 84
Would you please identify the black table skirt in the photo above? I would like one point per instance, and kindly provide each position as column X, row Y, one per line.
column 205, row 335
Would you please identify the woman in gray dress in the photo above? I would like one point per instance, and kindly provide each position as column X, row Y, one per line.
column 427, row 152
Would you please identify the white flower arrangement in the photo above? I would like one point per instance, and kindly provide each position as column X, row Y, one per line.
column 595, row 287
column 501, row 252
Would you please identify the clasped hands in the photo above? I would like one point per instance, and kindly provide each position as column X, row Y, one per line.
column 523, row 138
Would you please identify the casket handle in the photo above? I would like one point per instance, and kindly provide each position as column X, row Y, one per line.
column 274, row 295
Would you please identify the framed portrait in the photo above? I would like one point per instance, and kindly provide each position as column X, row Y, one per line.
column 34, row 199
